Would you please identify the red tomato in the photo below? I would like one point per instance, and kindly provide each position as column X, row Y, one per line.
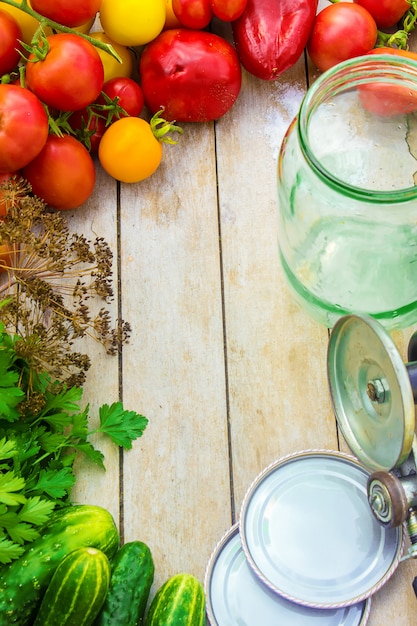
column 341, row 31
column 195, row 14
column 74, row 13
column 70, row 76
column 9, row 44
column 23, row 127
column 386, row 13
column 228, row 10
column 387, row 100
column 195, row 75
column 89, row 128
column 63, row 173
column 128, row 92
column 270, row 35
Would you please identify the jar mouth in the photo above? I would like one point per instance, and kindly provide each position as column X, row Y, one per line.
column 363, row 75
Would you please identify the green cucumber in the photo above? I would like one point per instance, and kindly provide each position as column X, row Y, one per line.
column 130, row 585
column 77, row 589
column 23, row 582
column 179, row 602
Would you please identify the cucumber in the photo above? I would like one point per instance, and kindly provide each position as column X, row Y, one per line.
column 130, row 585
column 77, row 589
column 179, row 602
column 23, row 582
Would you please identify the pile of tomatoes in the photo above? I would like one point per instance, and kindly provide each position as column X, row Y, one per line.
column 73, row 93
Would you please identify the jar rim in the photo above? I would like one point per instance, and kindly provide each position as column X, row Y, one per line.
column 337, row 76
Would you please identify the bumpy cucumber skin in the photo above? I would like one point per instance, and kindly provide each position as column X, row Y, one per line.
column 23, row 582
column 130, row 585
column 77, row 589
column 179, row 602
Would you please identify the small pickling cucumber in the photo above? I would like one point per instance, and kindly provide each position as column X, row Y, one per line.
column 77, row 590
column 179, row 602
column 132, row 573
column 23, row 582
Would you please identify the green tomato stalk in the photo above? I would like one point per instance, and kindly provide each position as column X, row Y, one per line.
column 161, row 128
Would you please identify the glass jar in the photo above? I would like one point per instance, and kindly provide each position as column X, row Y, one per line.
column 347, row 194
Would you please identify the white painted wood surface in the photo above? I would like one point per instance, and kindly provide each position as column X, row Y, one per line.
column 230, row 373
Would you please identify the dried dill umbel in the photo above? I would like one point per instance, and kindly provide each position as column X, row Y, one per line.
column 50, row 284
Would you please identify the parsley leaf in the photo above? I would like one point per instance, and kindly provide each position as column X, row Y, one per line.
column 9, row 550
column 10, row 485
column 120, row 425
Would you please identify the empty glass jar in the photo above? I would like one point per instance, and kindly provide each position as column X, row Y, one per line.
column 347, row 193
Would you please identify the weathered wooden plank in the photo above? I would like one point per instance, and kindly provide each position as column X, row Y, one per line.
column 275, row 353
column 176, row 483
column 98, row 218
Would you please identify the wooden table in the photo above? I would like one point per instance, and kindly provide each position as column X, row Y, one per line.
column 229, row 371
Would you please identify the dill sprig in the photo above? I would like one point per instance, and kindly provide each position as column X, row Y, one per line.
column 51, row 279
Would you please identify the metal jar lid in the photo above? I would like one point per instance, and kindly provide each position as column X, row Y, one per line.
column 309, row 534
column 237, row 597
column 371, row 392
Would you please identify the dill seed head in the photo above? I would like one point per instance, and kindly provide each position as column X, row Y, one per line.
column 55, row 276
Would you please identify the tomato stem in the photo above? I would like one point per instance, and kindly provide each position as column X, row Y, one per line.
column 55, row 26
column 161, row 128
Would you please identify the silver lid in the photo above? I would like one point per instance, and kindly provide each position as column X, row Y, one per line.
column 309, row 534
column 236, row 596
column 371, row 392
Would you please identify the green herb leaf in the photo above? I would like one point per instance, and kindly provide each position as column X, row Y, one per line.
column 120, row 425
column 36, row 510
column 7, row 448
column 10, row 484
column 9, row 551
column 56, row 484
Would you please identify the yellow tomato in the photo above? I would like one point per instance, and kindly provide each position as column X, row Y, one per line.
column 28, row 24
column 129, row 151
column 112, row 67
column 171, row 20
column 132, row 22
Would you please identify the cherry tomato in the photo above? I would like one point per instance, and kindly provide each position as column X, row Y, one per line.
column 129, row 151
column 11, row 33
column 341, row 31
column 387, row 100
column 386, row 13
column 68, row 56
column 193, row 13
column 195, row 75
column 132, row 22
column 63, row 173
column 112, row 67
column 171, row 20
column 128, row 92
column 74, row 13
column 228, row 10
column 23, row 127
